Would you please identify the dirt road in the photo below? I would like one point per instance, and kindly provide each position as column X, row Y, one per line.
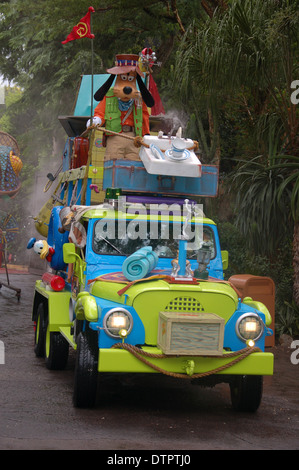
column 146, row 413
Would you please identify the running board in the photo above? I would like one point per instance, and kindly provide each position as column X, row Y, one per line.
column 65, row 331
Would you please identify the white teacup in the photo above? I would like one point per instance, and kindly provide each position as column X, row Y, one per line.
column 177, row 147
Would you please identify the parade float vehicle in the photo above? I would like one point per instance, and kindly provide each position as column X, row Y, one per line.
column 135, row 281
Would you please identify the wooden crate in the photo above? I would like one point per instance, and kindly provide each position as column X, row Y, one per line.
column 132, row 177
column 190, row 333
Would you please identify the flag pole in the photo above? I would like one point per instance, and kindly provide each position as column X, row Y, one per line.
column 91, row 101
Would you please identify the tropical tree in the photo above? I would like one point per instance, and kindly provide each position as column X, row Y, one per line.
column 244, row 59
column 241, row 63
column 289, row 188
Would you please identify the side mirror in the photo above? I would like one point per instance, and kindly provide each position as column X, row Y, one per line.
column 69, row 253
column 224, row 255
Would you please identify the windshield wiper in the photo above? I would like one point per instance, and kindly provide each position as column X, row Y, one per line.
column 109, row 243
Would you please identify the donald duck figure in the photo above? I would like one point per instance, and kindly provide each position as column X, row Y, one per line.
column 41, row 248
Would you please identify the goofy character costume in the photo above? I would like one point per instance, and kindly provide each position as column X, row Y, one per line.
column 123, row 108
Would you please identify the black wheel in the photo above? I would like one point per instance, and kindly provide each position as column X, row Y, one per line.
column 56, row 350
column 246, row 392
column 86, row 371
column 40, row 330
column 78, row 328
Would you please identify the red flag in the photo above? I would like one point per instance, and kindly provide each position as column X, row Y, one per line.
column 82, row 29
column 158, row 107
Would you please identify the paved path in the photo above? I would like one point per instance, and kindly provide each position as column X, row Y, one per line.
column 149, row 413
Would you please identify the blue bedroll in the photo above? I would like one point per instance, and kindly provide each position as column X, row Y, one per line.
column 139, row 264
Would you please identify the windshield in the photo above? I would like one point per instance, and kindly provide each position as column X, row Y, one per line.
column 126, row 237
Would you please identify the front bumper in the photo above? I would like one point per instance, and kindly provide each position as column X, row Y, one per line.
column 118, row 360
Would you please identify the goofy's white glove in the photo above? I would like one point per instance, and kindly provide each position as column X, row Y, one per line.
column 95, row 121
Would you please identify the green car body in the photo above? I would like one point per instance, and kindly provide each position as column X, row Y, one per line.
column 184, row 326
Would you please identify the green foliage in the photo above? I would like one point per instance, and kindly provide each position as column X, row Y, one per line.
column 289, row 166
column 278, row 268
column 8, row 112
column 287, row 319
column 241, row 63
column 241, row 260
column 261, row 215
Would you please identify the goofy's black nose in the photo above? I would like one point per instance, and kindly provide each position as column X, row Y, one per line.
column 127, row 90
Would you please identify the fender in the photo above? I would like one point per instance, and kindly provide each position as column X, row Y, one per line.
column 86, row 307
column 57, row 306
column 260, row 307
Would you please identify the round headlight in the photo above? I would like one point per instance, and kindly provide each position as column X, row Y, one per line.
column 116, row 320
column 249, row 326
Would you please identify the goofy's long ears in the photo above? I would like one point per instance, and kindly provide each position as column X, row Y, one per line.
column 146, row 95
column 103, row 90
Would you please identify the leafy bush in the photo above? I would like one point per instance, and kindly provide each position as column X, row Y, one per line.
column 278, row 268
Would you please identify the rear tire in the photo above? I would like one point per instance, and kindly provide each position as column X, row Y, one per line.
column 246, row 392
column 86, row 371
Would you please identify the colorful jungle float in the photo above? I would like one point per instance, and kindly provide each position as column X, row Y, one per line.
column 134, row 301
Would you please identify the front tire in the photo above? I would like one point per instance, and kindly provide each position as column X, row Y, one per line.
column 246, row 392
column 86, row 371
